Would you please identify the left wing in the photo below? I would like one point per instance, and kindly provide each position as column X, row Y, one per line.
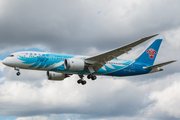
column 96, row 62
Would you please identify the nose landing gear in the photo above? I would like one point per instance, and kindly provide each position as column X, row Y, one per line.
column 17, row 69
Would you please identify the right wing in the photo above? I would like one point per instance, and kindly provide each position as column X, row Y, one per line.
column 98, row 61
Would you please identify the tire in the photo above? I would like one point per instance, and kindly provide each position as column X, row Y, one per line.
column 18, row 73
column 83, row 82
column 94, row 77
column 79, row 81
column 89, row 76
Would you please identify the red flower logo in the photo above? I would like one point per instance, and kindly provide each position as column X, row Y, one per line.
column 151, row 53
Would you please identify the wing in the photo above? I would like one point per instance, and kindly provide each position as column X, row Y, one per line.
column 160, row 65
column 96, row 62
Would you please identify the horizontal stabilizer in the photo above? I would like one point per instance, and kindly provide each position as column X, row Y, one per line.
column 160, row 65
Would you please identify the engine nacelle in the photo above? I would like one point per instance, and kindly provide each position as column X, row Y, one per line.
column 56, row 76
column 74, row 64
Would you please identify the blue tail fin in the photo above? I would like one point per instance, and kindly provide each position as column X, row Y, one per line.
column 149, row 55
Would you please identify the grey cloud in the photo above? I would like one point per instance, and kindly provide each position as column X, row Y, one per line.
column 76, row 27
column 95, row 101
column 61, row 25
column 107, row 100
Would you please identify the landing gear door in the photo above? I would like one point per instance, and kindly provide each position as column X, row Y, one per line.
column 51, row 58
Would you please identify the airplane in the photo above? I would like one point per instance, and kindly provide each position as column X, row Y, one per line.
column 61, row 66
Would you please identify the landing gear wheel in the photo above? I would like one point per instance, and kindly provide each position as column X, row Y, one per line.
column 89, row 76
column 18, row 73
column 83, row 82
column 93, row 77
column 79, row 81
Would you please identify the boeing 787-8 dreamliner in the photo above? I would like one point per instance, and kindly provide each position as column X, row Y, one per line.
column 61, row 66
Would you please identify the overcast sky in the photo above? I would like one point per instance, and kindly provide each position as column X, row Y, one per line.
column 89, row 27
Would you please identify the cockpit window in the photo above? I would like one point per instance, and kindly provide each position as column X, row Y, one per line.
column 11, row 56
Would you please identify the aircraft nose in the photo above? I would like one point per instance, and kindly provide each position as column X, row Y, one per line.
column 4, row 61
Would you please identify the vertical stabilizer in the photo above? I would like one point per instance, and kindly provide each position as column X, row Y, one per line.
column 149, row 55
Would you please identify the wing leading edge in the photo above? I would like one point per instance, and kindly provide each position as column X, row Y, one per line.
column 98, row 61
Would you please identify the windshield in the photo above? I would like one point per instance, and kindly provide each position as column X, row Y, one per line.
column 11, row 56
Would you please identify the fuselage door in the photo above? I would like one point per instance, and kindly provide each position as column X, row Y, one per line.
column 133, row 66
column 51, row 58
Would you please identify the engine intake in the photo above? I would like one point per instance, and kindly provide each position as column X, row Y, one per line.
column 74, row 64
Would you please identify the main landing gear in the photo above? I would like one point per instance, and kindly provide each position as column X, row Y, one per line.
column 83, row 82
column 17, row 69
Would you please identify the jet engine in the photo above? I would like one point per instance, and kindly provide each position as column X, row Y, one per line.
column 74, row 64
column 56, row 76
